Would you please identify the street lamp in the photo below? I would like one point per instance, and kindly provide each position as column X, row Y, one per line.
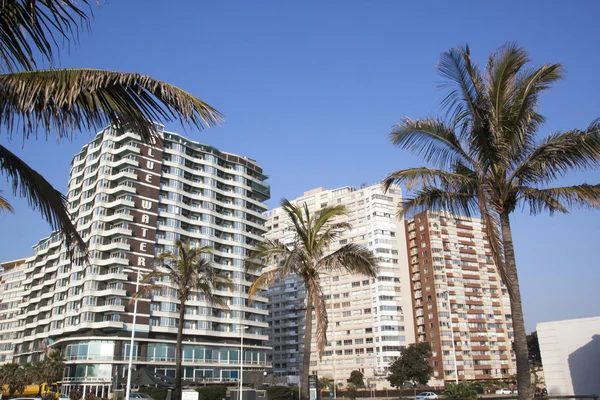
column 242, row 328
column 447, row 293
column 137, row 287
column 332, row 339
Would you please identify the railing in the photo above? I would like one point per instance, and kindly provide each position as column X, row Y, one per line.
column 164, row 360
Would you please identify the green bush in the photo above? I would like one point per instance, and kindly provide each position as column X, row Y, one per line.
column 282, row 393
column 159, row 393
column 75, row 395
column 212, row 392
column 463, row 391
column 90, row 396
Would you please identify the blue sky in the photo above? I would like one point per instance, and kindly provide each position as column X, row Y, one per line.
column 310, row 89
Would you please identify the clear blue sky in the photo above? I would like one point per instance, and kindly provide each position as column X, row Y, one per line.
column 311, row 88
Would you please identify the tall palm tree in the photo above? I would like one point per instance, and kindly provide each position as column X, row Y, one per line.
column 308, row 257
column 189, row 271
column 64, row 101
column 487, row 159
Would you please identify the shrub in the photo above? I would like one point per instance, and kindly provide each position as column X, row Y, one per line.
column 282, row 393
column 49, row 396
column 462, row 391
column 75, row 395
column 352, row 391
column 90, row 396
column 159, row 393
column 212, row 392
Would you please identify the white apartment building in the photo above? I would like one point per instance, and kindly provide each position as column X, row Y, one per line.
column 11, row 296
column 370, row 320
column 130, row 201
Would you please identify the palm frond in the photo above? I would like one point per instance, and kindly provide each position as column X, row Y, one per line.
column 503, row 69
column 324, row 230
column 431, row 139
column 492, row 230
column 317, row 298
column 65, row 101
column 267, row 277
column 561, row 198
column 151, row 276
column 29, row 27
column 268, row 252
column 294, row 213
column 435, row 199
column 5, row 205
column 325, row 215
column 145, row 291
column 558, row 154
column 350, row 258
column 330, row 235
column 523, row 120
column 465, row 86
column 40, row 194
column 416, row 177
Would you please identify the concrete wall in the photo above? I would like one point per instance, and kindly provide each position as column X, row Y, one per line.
column 571, row 356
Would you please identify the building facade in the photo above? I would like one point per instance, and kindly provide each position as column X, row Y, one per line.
column 130, row 201
column 370, row 320
column 570, row 352
column 11, row 296
column 461, row 306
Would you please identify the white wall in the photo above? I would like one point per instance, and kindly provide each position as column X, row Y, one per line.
column 571, row 356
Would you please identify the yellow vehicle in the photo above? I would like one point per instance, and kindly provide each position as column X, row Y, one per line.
column 32, row 391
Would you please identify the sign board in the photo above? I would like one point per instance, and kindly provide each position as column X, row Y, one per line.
column 189, row 395
column 313, row 387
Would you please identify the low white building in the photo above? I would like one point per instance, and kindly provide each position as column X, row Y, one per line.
column 571, row 355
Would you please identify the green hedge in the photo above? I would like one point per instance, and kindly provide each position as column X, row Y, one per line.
column 212, row 392
column 159, row 393
column 283, row 393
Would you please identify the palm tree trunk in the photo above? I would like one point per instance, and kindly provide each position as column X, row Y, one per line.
column 178, row 349
column 304, row 389
column 520, row 335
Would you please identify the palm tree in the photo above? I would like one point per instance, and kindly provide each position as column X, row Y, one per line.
column 64, row 101
column 189, row 271
column 307, row 258
column 487, row 159
column 52, row 367
column 14, row 377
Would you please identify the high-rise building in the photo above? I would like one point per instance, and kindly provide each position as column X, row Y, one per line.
column 461, row 306
column 130, row 201
column 11, row 296
column 370, row 320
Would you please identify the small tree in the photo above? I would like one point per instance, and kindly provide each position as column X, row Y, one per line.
column 411, row 366
column 14, row 376
column 533, row 347
column 356, row 378
column 352, row 390
column 397, row 376
column 325, row 382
